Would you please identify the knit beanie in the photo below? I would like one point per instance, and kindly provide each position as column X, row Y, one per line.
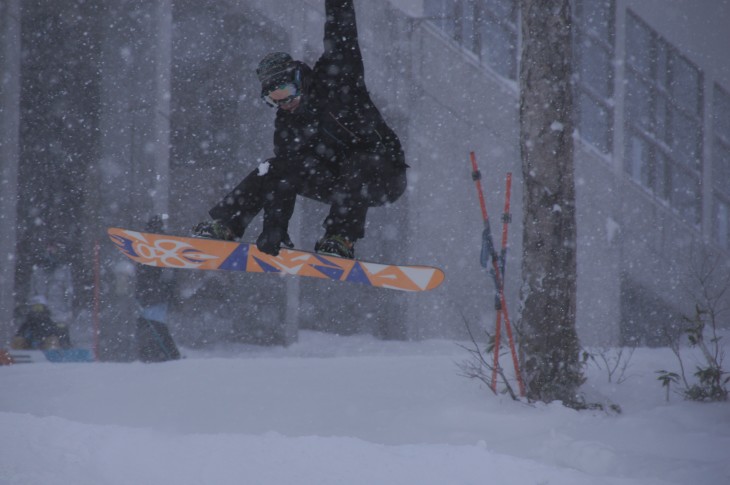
column 274, row 70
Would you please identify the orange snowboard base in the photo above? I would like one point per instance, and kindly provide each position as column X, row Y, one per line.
column 209, row 254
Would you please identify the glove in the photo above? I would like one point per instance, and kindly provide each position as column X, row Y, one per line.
column 271, row 240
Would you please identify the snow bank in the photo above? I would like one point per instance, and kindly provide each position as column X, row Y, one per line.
column 342, row 410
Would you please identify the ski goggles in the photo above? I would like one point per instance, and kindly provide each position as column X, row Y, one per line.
column 285, row 95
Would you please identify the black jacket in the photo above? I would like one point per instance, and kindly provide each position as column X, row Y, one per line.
column 336, row 116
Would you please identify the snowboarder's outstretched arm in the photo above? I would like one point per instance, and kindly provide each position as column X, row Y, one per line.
column 341, row 47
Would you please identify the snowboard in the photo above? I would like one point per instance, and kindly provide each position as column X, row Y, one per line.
column 167, row 251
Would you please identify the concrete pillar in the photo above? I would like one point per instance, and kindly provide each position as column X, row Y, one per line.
column 132, row 179
column 9, row 153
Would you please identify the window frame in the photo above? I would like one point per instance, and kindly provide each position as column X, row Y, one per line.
column 655, row 121
column 467, row 30
column 584, row 91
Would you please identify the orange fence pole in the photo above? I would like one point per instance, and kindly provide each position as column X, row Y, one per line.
column 97, row 297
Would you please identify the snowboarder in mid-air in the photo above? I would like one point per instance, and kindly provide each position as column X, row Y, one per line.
column 331, row 144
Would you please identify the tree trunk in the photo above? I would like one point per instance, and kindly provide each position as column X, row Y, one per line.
column 549, row 342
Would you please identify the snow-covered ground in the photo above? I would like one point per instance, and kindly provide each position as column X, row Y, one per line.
column 343, row 410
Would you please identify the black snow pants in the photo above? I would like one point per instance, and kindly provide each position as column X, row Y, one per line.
column 351, row 186
column 154, row 342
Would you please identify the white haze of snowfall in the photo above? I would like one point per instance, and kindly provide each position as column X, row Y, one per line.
column 344, row 410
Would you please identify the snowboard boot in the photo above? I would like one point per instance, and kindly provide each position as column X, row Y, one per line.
column 338, row 246
column 213, row 230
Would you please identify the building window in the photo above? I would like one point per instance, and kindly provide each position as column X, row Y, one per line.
column 593, row 51
column 721, row 167
column 663, row 120
column 498, row 36
column 645, row 316
column 487, row 28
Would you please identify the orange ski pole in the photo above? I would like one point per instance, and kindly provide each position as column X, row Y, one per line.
column 497, row 343
column 488, row 251
column 506, row 219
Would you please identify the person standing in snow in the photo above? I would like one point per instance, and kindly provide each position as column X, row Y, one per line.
column 331, row 144
column 154, row 293
column 51, row 280
column 39, row 330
